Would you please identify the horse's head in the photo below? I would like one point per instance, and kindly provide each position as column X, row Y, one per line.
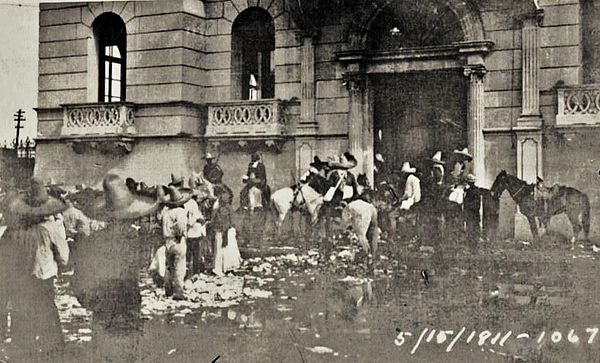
column 362, row 180
column 499, row 184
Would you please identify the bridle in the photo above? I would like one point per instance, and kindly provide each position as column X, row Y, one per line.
column 504, row 186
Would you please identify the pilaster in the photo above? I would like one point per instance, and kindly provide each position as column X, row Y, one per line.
column 476, row 118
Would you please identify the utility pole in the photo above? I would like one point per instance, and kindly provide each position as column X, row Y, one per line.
column 19, row 117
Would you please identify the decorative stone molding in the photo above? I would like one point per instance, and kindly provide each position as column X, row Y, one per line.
column 475, row 72
column 114, row 146
column 579, row 105
column 354, row 82
column 235, row 119
column 94, row 119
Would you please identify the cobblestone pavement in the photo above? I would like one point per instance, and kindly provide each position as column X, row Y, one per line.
column 504, row 301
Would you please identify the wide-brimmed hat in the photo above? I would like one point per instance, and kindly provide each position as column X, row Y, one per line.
column 176, row 180
column 176, row 197
column 464, row 152
column 406, row 168
column 347, row 161
column 36, row 202
column 208, row 156
column 471, row 178
column 119, row 202
column 317, row 163
column 437, row 158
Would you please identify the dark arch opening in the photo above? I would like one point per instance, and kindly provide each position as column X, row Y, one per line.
column 252, row 49
column 414, row 24
column 111, row 44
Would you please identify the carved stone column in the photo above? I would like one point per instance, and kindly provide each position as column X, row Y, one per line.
column 476, row 119
column 530, row 50
column 307, row 105
column 356, row 83
column 529, row 124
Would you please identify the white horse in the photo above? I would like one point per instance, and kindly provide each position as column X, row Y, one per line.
column 306, row 198
column 362, row 217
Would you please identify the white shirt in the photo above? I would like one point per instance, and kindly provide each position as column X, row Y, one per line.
column 196, row 229
column 412, row 189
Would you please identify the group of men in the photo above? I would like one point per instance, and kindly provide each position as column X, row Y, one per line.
column 97, row 234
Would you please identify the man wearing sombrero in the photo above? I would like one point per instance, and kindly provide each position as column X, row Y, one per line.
column 212, row 171
column 175, row 225
column 31, row 250
column 107, row 269
column 462, row 166
column 412, row 187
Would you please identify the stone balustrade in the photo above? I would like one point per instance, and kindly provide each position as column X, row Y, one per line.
column 98, row 119
column 579, row 105
column 259, row 118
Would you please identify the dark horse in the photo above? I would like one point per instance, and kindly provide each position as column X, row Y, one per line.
column 570, row 201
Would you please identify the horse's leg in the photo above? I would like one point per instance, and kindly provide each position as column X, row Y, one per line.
column 574, row 219
column 534, row 228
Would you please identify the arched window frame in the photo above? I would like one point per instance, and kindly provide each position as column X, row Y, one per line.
column 246, row 85
column 111, row 48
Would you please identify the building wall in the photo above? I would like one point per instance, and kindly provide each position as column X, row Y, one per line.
column 181, row 51
column 146, row 162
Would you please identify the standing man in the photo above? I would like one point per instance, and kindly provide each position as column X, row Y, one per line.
column 471, row 213
column 107, row 270
column 433, row 197
column 175, row 225
column 196, row 233
column 212, row 171
column 31, row 250
column 256, row 177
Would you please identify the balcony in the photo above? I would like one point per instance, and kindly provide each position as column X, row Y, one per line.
column 244, row 120
column 579, row 105
column 98, row 120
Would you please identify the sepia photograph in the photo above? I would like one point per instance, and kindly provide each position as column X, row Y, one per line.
column 300, row 181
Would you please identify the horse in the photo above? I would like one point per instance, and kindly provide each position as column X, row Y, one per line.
column 307, row 196
column 570, row 201
column 363, row 218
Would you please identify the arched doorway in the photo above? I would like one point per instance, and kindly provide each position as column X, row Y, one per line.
column 421, row 108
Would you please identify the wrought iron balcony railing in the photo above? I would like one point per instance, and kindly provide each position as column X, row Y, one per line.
column 579, row 105
column 260, row 118
column 98, row 119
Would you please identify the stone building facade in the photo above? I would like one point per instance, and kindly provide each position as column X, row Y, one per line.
column 512, row 80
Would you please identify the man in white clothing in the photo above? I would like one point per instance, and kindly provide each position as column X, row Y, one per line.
column 412, row 187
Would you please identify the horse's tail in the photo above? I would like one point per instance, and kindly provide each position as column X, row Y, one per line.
column 585, row 216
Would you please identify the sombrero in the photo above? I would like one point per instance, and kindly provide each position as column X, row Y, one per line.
column 406, row 168
column 437, row 158
column 347, row 161
column 176, row 181
column 119, row 203
column 464, row 152
column 317, row 163
column 208, row 156
column 36, row 203
column 176, row 197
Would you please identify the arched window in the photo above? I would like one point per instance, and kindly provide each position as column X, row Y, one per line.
column 252, row 49
column 414, row 24
column 111, row 42
column 590, row 12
